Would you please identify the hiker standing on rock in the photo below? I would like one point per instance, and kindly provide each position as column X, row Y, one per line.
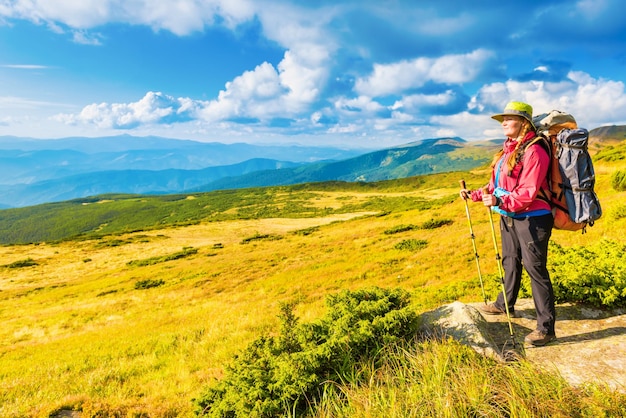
column 520, row 171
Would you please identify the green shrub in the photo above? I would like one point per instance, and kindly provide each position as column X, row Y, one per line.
column 186, row 252
column 411, row 244
column 306, row 231
column 148, row 283
column 282, row 375
column 594, row 274
column 28, row 262
column 401, row 228
column 618, row 181
column 435, row 223
column 261, row 237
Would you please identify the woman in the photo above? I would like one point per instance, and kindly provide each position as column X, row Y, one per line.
column 520, row 172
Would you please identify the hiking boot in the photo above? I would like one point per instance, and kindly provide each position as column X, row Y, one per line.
column 539, row 338
column 492, row 309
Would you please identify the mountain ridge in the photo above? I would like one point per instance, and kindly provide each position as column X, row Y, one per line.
column 423, row 157
column 420, row 157
column 166, row 181
column 121, row 164
column 25, row 159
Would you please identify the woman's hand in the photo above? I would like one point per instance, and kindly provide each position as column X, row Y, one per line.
column 465, row 194
column 490, row 200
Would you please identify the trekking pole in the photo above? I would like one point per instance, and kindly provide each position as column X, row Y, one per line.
column 469, row 221
column 500, row 270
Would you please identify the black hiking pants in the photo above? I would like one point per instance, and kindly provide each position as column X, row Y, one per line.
column 525, row 243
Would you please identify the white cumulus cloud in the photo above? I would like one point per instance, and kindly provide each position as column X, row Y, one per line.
column 252, row 94
column 267, row 92
column 593, row 101
column 154, row 107
column 394, row 78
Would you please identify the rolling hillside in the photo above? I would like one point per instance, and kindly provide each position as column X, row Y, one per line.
column 148, row 305
column 131, row 305
column 113, row 213
column 608, row 134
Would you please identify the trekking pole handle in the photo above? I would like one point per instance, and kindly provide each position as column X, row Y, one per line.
column 464, row 195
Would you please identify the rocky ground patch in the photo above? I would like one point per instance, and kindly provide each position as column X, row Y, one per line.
column 590, row 345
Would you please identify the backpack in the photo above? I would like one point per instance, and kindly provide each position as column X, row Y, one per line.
column 571, row 176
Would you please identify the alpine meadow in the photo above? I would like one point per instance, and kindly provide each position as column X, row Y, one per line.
column 300, row 300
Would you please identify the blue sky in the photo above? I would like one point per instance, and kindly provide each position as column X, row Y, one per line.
column 354, row 73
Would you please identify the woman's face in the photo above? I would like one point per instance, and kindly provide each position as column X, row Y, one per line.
column 511, row 125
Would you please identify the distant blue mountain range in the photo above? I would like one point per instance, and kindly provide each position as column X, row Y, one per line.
column 40, row 171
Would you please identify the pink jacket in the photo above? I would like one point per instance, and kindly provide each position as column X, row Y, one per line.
column 527, row 178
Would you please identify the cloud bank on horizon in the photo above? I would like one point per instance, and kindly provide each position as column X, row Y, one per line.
column 353, row 72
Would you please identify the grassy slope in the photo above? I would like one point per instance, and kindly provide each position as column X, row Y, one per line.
column 77, row 331
column 111, row 214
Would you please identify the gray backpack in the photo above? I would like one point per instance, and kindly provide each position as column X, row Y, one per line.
column 572, row 177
